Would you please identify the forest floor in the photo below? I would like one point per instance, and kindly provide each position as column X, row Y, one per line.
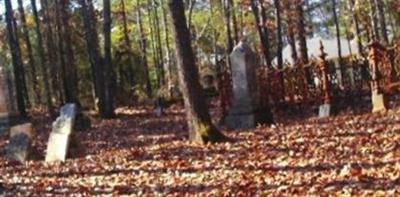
column 140, row 154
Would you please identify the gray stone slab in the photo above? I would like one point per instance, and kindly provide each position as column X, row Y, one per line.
column 245, row 98
column 58, row 144
column 324, row 110
column 19, row 145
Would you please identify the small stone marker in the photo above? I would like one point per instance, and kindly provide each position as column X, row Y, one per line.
column 324, row 110
column 19, row 146
column 57, row 147
column 242, row 113
column 378, row 102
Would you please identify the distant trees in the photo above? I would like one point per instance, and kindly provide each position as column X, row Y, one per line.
column 122, row 50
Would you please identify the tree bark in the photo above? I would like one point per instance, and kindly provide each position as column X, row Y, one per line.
column 71, row 72
column 301, row 31
column 339, row 43
column 279, row 33
column 95, row 58
column 201, row 128
column 356, row 26
column 261, row 31
column 374, row 20
column 382, row 21
column 42, row 57
column 31, row 59
column 128, row 45
column 109, row 80
column 51, row 48
column 16, row 58
column 143, row 50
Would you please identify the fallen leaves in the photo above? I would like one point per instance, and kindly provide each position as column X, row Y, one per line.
column 139, row 154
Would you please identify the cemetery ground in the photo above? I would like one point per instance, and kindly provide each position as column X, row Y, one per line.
column 352, row 153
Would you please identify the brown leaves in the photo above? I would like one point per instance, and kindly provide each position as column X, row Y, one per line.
column 138, row 154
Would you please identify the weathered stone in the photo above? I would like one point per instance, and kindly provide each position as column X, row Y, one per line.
column 324, row 110
column 58, row 144
column 379, row 102
column 245, row 99
column 19, row 146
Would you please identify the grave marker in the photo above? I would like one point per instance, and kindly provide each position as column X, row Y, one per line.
column 245, row 103
column 58, row 144
column 19, row 146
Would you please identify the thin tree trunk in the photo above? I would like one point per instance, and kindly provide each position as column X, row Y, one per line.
column 201, row 128
column 61, row 50
column 51, row 48
column 95, row 58
column 108, row 66
column 382, row 21
column 339, row 43
column 31, row 59
column 168, row 63
column 159, row 44
column 16, row 58
column 71, row 72
column 128, row 45
column 234, row 21
column 356, row 26
column 374, row 20
column 301, row 31
column 143, row 50
column 43, row 61
column 279, row 33
column 261, row 33
column 265, row 34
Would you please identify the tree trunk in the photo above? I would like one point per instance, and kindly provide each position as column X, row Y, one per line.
column 168, row 63
column 356, row 26
column 374, row 20
column 339, row 43
column 43, row 61
column 143, row 51
column 108, row 66
column 382, row 21
column 61, row 50
column 290, row 31
column 16, row 58
column 234, row 21
column 128, row 45
column 201, row 128
column 301, row 31
column 266, row 34
column 159, row 44
column 261, row 32
column 71, row 73
column 279, row 33
column 31, row 59
column 95, row 58
column 51, row 48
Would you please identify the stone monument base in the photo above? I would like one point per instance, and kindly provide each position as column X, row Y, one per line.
column 248, row 119
column 241, row 121
column 379, row 102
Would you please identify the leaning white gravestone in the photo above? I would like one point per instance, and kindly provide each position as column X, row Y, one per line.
column 57, row 147
column 245, row 100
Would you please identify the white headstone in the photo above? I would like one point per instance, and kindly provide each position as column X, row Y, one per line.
column 245, row 99
column 57, row 147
